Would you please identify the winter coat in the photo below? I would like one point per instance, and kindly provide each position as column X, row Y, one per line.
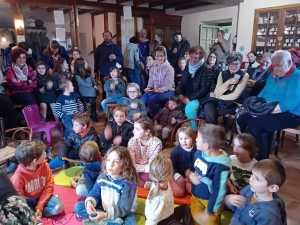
column 131, row 54
column 125, row 130
column 258, row 106
column 74, row 142
column 161, row 78
column 165, row 115
column 86, row 86
column 182, row 47
column 119, row 90
column 49, row 95
column 102, row 61
column 90, row 172
column 48, row 60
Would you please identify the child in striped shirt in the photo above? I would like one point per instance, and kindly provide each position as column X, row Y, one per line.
column 67, row 105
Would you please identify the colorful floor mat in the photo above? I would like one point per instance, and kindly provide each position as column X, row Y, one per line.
column 64, row 176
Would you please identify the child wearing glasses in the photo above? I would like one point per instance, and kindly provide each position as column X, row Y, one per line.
column 135, row 106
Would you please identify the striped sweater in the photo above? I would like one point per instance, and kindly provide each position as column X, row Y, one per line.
column 68, row 105
column 117, row 197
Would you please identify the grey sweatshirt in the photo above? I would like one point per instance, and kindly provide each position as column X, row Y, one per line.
column 131, row 54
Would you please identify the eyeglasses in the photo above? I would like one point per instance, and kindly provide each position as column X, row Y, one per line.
column 212, row 57
column 132, row 92
column 234, row 64
column 41, row 68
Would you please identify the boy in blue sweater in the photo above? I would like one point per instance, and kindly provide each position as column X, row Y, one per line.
column 258, row 203
column 67, row 105
column 209, row 175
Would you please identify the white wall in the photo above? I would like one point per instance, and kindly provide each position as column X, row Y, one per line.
column 246, row 20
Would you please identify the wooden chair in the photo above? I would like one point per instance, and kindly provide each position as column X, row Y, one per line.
column 174, row 130
column 110, row 108
column 281, row 133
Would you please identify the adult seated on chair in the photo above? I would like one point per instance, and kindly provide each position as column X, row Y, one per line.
column 195, row 83
column 21, row 78
column 258, row 77
column 229, row 89
column 161, row 83
column 283, row 86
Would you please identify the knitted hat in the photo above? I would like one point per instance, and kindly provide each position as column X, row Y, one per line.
column 295, row 55
column 177, row 32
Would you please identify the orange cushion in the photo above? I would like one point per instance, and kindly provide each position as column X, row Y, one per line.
column 184, row 200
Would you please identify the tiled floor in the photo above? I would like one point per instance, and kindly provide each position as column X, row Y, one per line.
column 289, row 155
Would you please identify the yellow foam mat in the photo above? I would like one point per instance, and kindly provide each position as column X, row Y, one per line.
column 64, row 176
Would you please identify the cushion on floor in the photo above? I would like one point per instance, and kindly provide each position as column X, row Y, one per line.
column 64, row 176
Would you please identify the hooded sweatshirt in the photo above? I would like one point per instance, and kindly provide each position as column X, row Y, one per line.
column 161, row 77
column 131, row 54
column 215, row 169
column 38, row 184
column 262, row 213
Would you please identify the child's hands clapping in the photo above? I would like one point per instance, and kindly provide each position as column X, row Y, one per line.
column 195, row 178
column 173, row 120
column 112, row 86
column 116, row 81
column 133, row 105
column 232, row 188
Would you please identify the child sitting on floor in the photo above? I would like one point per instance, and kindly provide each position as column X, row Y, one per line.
column 115, row 89
column 258, row 203
column 182, row 158
column 242, row 161
column 209, row 175
column 168, row 117
column 159, row 208
column 143, row 148
column 135, row 106
column 67, row 105
column 182, row 62
column 82, row 131
column 91, row 157
column 33, row 180
column 113, row 197
column 117, row 131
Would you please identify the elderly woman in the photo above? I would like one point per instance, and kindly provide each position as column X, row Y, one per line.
column 282, row 87
column 229, row 89
column 161, row 83
column 53, row 52
column 252, row 64
column 195, row 83
column 21, row 78
column 259, row 76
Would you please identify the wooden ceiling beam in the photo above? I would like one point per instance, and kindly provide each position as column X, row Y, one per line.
column 32, row 8
column 122, row 1
column 50, row 4
column 49, row 10
column 225, row 2
column 192, row 5
column 81, row 12
column 142, row 2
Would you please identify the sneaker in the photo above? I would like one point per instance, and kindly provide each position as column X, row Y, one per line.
column 49, row 153
column 12, row 167
column 78, row 216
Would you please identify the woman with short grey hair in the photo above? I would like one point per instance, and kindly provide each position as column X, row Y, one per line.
column 229, row 89
column 283, row 87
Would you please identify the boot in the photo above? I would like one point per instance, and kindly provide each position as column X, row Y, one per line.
column 93, row 116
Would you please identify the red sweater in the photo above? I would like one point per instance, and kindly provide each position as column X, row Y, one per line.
column 34, row 184
column 20, row 86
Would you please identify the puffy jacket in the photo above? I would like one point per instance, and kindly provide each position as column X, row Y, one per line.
column 182, row 47
column 74, row 142
column 125, row 130
column 258, row 106
column 165, row 115
column 48, row 60
column 90, row 172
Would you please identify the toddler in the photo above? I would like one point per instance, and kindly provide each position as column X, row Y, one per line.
column 159, row 208
column 242, row 161
column 135, row 107
column 168, row 117
column 113, row 197
column 117, row 131
column 115, row 89
column 182, row 158
column 143, row 147
column 182, row 62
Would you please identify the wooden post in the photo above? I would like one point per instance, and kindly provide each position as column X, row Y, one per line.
column 94, row 32
column 118, row 25
column 74, row 24
column 106, row 21
column 18, row 21
column 136, row 32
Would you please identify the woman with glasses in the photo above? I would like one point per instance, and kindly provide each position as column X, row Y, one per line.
column 213, row 63
column 259, row 76
column 229, row 90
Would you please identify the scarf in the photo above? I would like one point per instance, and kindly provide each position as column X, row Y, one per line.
column 21, row 74
column 85, row 131
column 193, row 69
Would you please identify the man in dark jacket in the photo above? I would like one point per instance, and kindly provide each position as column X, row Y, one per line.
column 178, row 49
column 106, row 55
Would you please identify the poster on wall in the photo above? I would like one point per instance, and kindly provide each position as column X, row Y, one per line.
column 59, row 17
column 61, row 34
column 127, row 12
column 20, row 38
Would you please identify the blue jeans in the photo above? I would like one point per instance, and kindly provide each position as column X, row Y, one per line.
column 50, row 207
column 80, row 210
column 118, row 100
column 191, row 111
column 156, row 101
column 67, row 121
column 57, row 162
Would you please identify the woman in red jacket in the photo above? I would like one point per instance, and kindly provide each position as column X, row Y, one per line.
column 21, row 78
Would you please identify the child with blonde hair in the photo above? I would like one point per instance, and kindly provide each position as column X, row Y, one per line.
column 245, row 149
column 182, row 159
column 135, row 106
column 159, row 208
column 113, row 197
column 143, row 147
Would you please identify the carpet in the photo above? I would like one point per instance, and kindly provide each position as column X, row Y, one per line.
column 64, row 176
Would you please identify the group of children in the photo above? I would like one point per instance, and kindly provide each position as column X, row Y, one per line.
column 197, row 166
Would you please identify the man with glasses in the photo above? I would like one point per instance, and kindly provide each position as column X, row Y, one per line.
column 221, row 47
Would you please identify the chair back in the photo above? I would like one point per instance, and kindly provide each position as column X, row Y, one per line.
column 2, row 133
column 32, row 115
